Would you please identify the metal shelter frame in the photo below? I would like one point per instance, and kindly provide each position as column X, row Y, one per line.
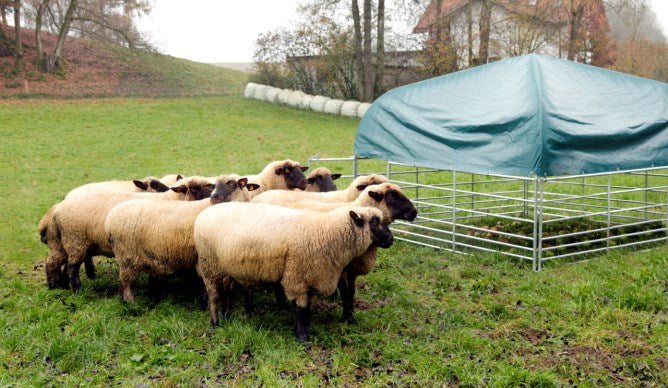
column 530, row 218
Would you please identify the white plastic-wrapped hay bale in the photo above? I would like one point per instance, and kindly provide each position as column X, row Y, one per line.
column 282, row 97
column 318, row 103
column 295, row 98
column 349, row 108
column 249, row 92
column 361, row 110
column 260, row 92
column 305, row 103
column 272, row 95
column 333, row 107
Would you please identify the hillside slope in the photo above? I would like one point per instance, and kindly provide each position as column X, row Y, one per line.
column 96, row 69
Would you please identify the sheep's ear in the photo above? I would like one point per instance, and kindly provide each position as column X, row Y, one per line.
column 336, row 176
column 303, row 168
column 180, row 189
column 376, row 195
column 359, row 221
column 362, row 187
column 140, row 185
column 158, row 186
column 279, row 171
column 252, row 186
column 179, row 177
column 242, row 182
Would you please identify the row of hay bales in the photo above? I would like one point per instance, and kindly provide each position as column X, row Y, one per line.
column 299, row 99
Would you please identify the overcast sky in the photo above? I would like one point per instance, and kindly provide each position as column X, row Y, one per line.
column 225, row 31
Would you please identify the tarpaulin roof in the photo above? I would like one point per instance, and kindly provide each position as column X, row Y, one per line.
column 528, row 115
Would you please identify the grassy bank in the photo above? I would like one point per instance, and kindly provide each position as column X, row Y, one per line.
column 424, row 317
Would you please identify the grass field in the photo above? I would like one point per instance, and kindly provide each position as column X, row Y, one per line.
column 424, row 317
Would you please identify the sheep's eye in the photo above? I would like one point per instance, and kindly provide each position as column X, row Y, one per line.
column 319, row 177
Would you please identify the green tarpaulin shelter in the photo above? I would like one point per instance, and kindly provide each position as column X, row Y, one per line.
column 528, row 115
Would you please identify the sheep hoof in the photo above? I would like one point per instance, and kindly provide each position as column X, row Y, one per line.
column 302, row 337
column 214, row 323
column 349, row 320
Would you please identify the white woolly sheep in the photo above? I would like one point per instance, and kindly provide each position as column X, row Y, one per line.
column 80, row 220
column 134, row 186
column 276, row 197
column 361, row 110
column 249, row 92
column 333, row 107
column 49, row 232
column 321, row 180
column 318, row 103
column 279, row 175
column 349, row 108
column 156, row 236
column 257, row 243
column 394, row 205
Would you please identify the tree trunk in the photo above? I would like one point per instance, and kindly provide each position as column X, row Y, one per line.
column 18, row 46
column 485, row 21
column 576, row 16
column 6, row 46
column 64, row 30
column 38, row 35
column 380, row 49
column 469, row 25
column 359, row 68
column 368, row 69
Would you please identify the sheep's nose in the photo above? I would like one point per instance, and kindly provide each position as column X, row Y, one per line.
column 216, row 198
column 412, row 215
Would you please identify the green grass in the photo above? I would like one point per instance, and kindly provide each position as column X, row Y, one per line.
column 154, row 74
column 426, row 317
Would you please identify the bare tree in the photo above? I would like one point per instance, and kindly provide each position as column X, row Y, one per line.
column 485, row 23
column 379, row 65
column 18, row 45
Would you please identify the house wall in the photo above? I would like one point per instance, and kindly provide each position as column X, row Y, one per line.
column 510, row 34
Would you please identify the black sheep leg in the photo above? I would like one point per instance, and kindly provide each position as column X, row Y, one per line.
column 348, row 296
column 302, row 322
column 248, row 300
column 73, row 274
column 280, row 296
column 90, row 267
column 228, row 287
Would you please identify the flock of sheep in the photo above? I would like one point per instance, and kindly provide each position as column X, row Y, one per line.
column 301, row 100
column 278, row 227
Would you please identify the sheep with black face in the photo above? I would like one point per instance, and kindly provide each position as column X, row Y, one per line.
column 80, row 221
column 156, row 236
column 302, row 250
column 283, row 174
column 321, row 180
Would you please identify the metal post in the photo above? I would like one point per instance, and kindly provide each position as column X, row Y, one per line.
column 454, row 209
column 472, row 191
column 535, row 224
column 417, row 182
column 389, row 170
column 354, row 166
column 646, row 194
column 607, row 240
column 526, row 198
column 540, row 227
column 582, row 199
